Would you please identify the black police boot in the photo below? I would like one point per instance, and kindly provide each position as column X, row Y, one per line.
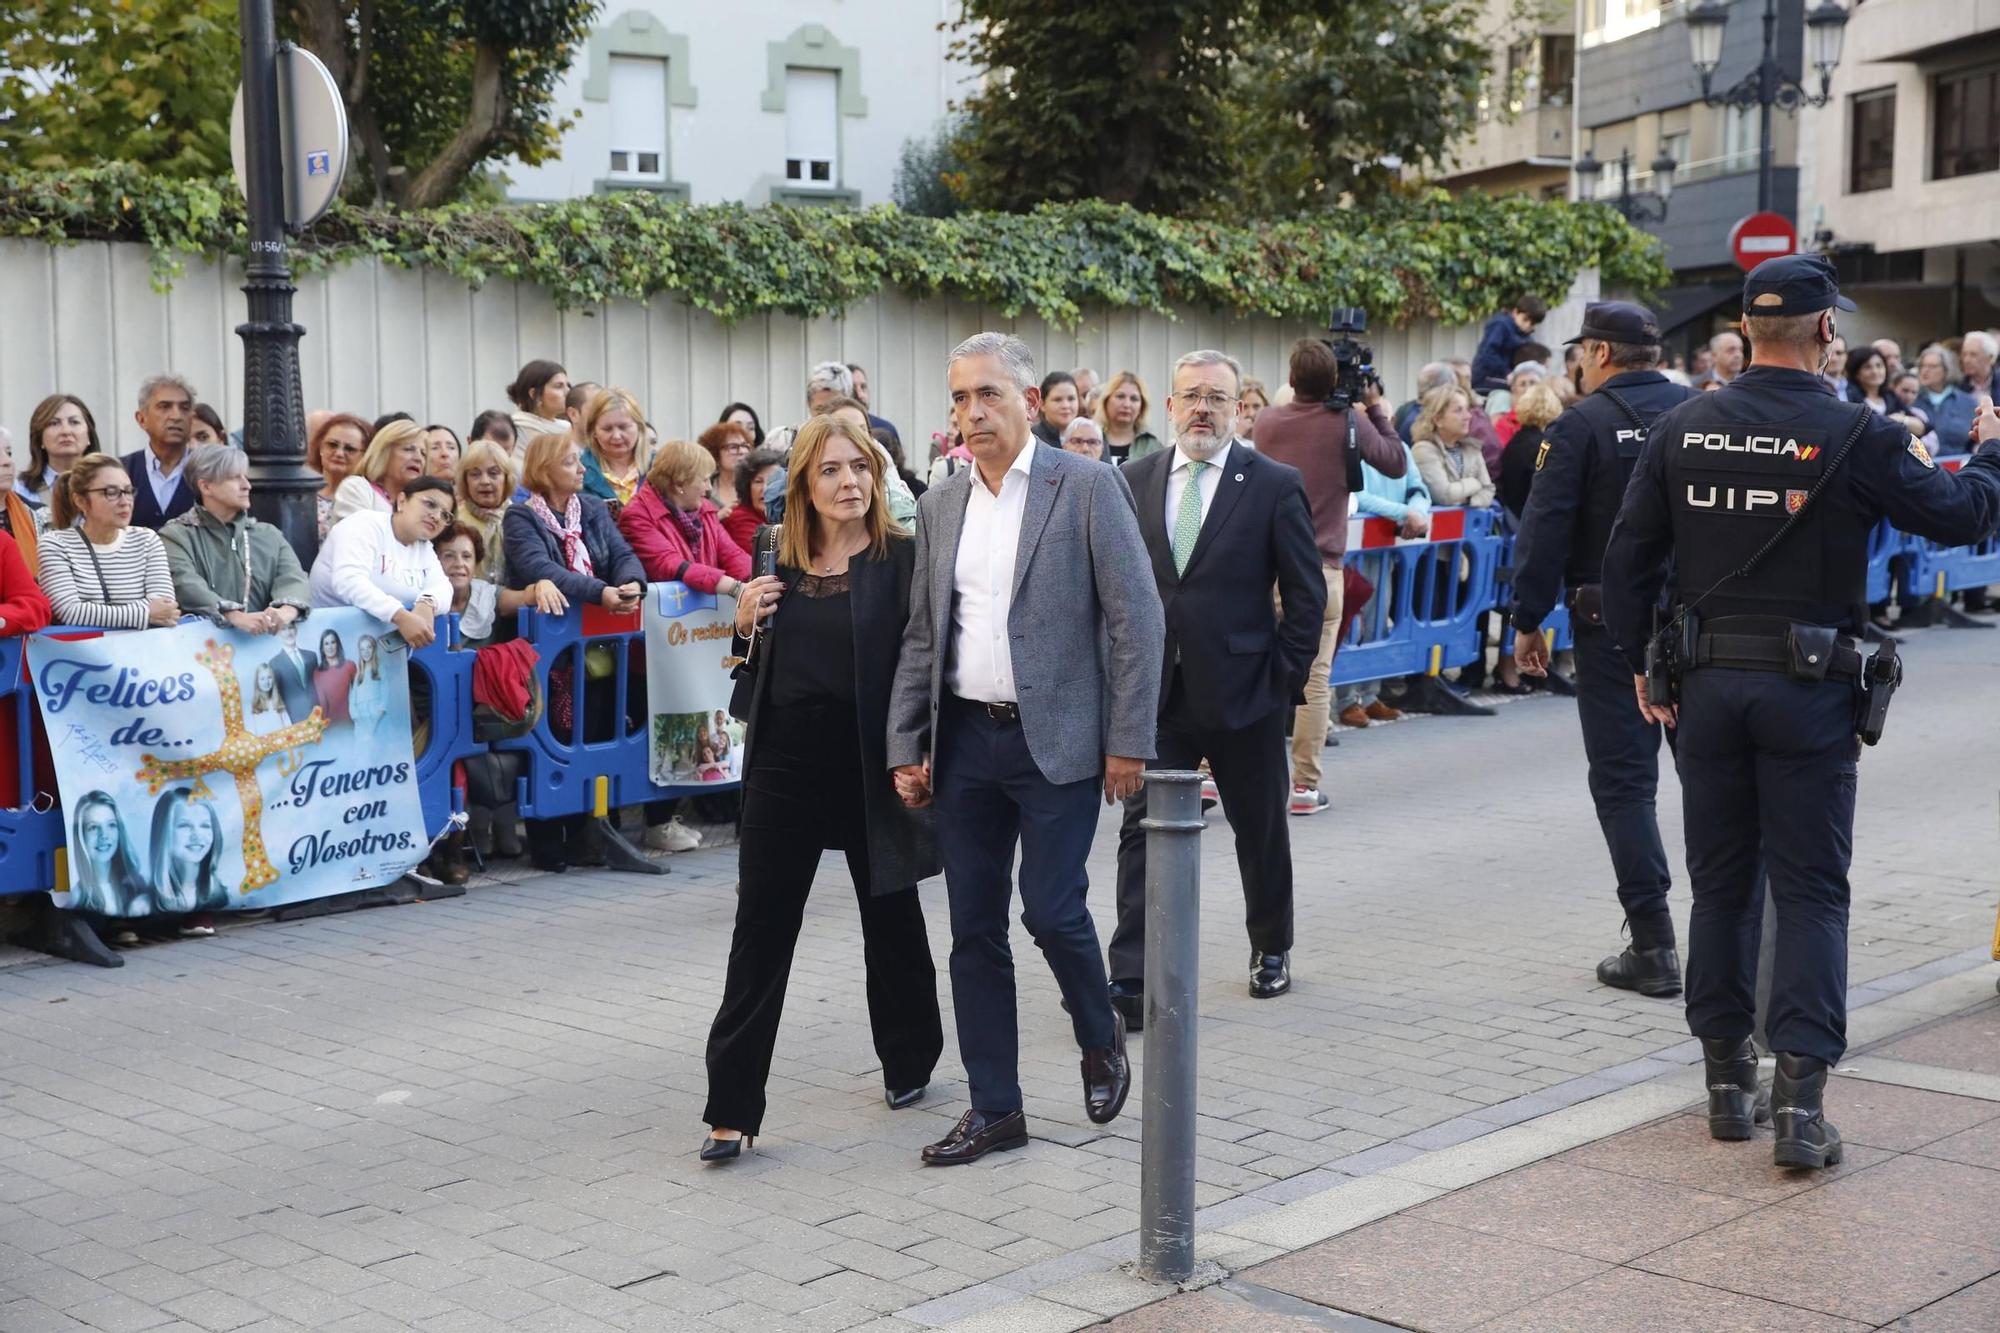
column 1735, row 1102
column 1805, row 1140
column 1652, row 972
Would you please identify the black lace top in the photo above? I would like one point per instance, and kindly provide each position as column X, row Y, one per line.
column 812, row 643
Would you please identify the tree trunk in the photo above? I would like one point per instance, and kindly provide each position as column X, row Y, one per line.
column 323, row 27
column 485, row 115
column 1125, row 173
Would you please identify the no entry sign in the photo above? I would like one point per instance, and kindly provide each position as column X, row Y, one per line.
column 1762, row 236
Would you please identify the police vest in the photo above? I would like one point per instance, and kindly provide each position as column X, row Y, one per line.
column 1616, row 441
column 1732, row 485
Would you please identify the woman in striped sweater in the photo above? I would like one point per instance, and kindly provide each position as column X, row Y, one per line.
column 97, row 568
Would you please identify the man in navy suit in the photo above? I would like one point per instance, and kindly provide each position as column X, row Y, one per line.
column 293, row 667
column 166, row 414
column 1224, row 525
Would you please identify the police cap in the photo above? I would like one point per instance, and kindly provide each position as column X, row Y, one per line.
column 1793, row 285
column 1617, row 322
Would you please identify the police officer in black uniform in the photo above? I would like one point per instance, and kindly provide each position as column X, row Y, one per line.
column 1764, row 494
column 1580, row 477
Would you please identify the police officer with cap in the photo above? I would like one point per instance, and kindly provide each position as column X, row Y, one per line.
column 1764, row 494
column 1581, row 471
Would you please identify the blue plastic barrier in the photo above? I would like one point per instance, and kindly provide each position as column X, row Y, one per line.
column 30, row 839
column 1938, row 571
column 448, row 668
column 1884, row 545
column 568, row 774
column 1428, row 598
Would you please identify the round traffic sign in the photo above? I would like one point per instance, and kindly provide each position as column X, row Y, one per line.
column 312, row 129
column 1762, row 236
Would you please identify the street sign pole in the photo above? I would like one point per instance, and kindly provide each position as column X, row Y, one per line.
column 282, row 490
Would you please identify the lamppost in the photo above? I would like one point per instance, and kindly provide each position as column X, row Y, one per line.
column 1765, row 86
column 273, row 407
column 1642, row 207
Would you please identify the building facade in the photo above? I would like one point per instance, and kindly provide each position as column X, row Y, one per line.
column 752, row 101
column 1901, row 169
column 1525, row 130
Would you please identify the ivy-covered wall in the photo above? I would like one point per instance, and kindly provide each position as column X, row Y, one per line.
column 1453, row 261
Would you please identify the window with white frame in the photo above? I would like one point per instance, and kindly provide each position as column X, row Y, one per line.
column 812, row 129
column 1742, row 139
column 638, row 119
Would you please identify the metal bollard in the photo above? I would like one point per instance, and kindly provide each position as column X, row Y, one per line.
column 1173, row 827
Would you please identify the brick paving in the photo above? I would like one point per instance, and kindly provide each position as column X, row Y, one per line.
column 480, row 1113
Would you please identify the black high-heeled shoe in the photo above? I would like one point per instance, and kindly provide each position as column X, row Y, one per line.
column 725, row 1150
column 900, row 1098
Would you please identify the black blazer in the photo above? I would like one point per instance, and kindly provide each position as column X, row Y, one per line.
column 1238, row 659
column 296, row 691
column 902, row 843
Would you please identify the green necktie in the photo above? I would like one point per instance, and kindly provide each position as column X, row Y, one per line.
column 1187, row 523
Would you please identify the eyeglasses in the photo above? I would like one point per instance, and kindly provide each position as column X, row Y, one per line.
column 113, row 493
column 1214, row 402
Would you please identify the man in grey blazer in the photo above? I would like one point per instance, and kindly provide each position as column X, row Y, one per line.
column 1028, row 686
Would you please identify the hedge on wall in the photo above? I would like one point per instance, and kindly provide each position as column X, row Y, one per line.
column 1454, row 260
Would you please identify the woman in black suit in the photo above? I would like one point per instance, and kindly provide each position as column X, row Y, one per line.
column 814, row 696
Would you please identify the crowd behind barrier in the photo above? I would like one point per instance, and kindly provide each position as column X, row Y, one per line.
column 1423, row 619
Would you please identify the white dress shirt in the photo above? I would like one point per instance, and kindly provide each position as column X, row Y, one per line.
column 1177, row 475
column 982, row 665
column 163, row 482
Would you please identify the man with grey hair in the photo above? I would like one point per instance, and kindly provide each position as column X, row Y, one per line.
column 1027, row 685
column 166, row 414
column 238, row 571
column 1224, row 525
column 1434, row 375
column 1977, row 352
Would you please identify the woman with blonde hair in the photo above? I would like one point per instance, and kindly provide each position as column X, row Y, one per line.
column 1121, row 415
column 612, row 432
column 674, row 528
column 396, row 457
column 1447, row 454
column 1538, row 405
column 485, row 484
column 815, row 698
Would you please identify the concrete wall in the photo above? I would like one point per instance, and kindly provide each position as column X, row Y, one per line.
column 85, row 320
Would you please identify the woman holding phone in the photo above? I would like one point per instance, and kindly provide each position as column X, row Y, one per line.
column 815, row 699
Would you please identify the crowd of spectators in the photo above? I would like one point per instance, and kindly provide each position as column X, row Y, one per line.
column 570, row 496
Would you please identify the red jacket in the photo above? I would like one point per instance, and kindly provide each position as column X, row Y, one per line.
column 742, row 522
column 662, row 547
column 23, row 604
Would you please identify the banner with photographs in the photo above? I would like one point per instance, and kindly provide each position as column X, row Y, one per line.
column 203, row 769
column 693, row 740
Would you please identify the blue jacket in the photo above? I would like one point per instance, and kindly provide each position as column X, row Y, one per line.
column 1493, row 361
column 1951, row 417
column 534, row 553
column 1393, row 497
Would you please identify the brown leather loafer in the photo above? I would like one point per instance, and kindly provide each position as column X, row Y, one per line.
column 976, row 1134
column 1107, row 1076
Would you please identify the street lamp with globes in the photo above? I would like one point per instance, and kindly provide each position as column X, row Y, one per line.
column 1765, row 86
column 1640, row 207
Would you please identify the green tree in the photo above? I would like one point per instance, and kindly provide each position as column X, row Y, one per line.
column 1121, row 102
column 438, row 89
column 929, row 174
column 147, row 82
column 1218, row 107
column 1335, row 98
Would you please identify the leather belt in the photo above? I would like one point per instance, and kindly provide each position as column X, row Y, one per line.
column 998, row 712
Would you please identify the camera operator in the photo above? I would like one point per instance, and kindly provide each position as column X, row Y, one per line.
column 1310, row 433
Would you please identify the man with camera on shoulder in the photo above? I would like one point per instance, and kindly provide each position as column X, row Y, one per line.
column 1335, row 397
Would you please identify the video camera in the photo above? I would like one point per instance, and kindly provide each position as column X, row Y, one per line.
column 1356, row 374
column 1356, row 359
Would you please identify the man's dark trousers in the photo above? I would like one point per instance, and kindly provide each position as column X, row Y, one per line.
column 1253, row 775
column 989, row 793
column 1624, row 753
column 1766, row 761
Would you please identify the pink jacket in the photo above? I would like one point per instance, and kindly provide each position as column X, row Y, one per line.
column 662, row 547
